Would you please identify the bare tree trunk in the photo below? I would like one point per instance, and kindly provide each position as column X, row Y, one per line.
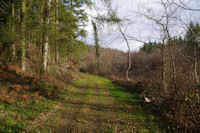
column 166, row 29
column 173, row 65
column 129, row 52
column 129, row 64
column 195, row 65
column 41, row 38
column 23, row 42
column 195, row 56
column 163, row 67
column 56, row 22
column 167, row 17
column 23, row 60
column 57, row 54
column 46, row 37
column 195, row 52
column 46, row 48
column 68, row 48
column 13, row 30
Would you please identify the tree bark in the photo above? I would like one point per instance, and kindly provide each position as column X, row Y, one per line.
column 195, row 44
column 13, row 30
column 163, row 67
column 166, row 30
column 23, row 42
column 56, row 30
column 173, row 64
column 195, row 65
column 129, row 52
column 46, row 37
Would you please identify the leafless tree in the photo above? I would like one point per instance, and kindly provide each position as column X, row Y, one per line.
column 46, row 37
column 164, row 22
column 113, row 18
column 186, row 6
column 129, row 51
column 195, row 63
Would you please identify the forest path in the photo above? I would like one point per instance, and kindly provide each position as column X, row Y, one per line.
column 96, row 105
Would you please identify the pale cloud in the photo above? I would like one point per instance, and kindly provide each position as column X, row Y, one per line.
column 139, row 27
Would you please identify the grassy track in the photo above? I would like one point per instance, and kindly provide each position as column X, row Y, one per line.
column 101, row 106
column 92, row 104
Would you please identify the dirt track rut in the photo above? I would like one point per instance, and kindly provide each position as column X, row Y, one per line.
column 90, row 109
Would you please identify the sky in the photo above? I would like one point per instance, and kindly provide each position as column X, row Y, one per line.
column 135, row 26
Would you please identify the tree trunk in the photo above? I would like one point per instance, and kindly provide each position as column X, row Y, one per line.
column 13, row 31
column 173, row 65
column 46, row 48
column 46, row 37
column 129, row 52
column 57, row 54
column 23, row 42
column 129, row 63
column 163, row 67
column 23, row 60
column 195, row 65
column 56, row 43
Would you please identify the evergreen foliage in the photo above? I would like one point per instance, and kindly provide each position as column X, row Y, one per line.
column 96, row 39
column 23, row 24
column 149, row 47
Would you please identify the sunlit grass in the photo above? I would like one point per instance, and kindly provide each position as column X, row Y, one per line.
column 80, row 82
column 17, row 116
column 146, row 122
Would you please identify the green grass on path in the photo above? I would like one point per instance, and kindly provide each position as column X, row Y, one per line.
column 100, row 98
column 146, row 122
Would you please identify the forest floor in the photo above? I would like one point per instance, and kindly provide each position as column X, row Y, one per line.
column 90, row 104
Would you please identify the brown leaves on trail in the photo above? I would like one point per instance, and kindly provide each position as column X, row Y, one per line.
column 25, row 96
column 131, row 86
column 17, row 84
column 3, row 91
column 17, row 88
column 36, row 95
column 15, row 68
column 75, row 62
column 7, row 97
column 10, row 95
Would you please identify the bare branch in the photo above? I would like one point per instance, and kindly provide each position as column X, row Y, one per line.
column 185, row 7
